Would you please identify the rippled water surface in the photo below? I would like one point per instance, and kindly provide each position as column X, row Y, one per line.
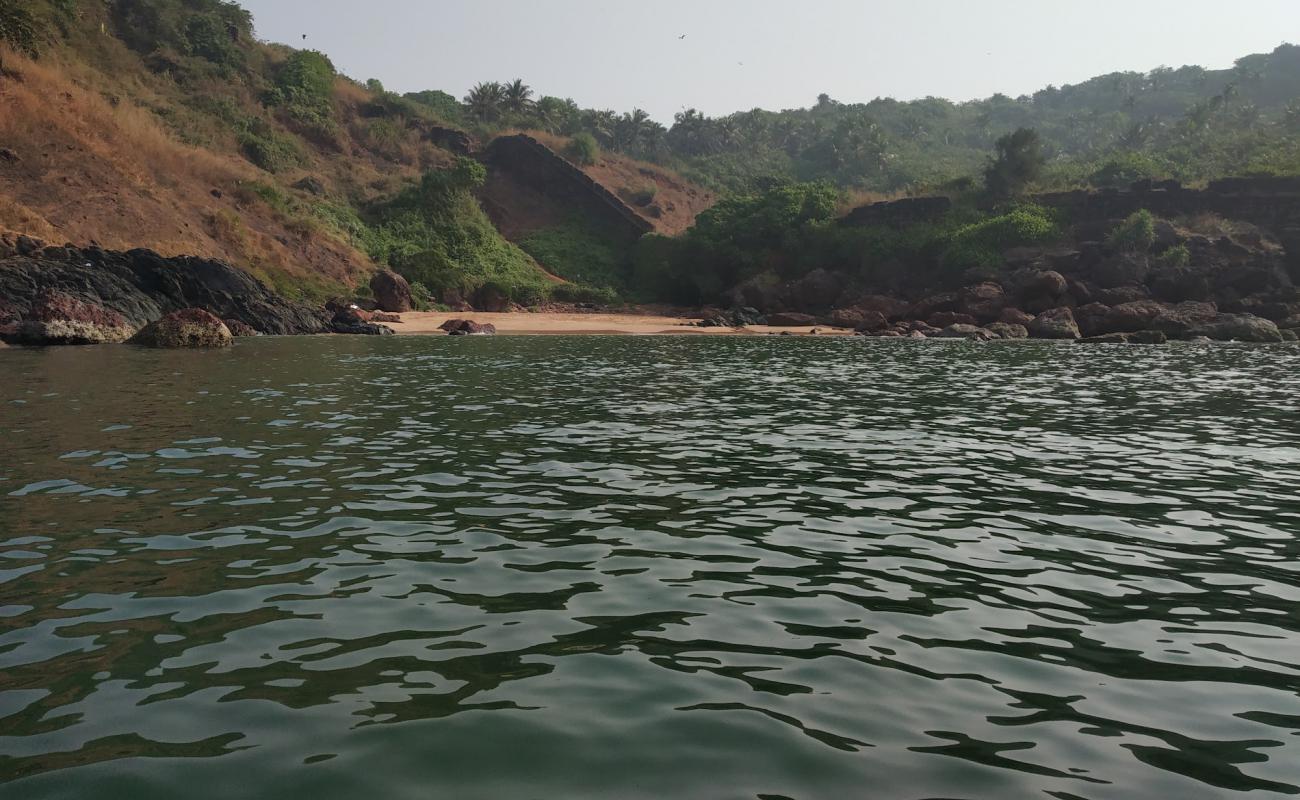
column 650, row 568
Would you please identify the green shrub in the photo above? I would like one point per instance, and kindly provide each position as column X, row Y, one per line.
column 1124, row 169
column 434, row 232
column 579, row 251
column 421, row 297
column 270, row 151
column 981, row 244
column 19, row 28
column 1134, row 235
column 1177, row 257
column 642, row 196
column 304, row 88
column 575, row 293
column 582, row 149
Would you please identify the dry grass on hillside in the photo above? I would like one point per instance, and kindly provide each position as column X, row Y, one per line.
column 93, row 170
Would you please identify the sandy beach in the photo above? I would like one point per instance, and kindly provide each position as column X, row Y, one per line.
column 557, row 323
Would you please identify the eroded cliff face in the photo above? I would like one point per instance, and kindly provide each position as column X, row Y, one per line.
column 522, row 162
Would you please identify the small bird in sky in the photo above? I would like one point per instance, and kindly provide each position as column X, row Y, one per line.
column 304, row 37
column 683, row 36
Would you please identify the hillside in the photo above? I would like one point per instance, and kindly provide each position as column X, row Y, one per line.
column 167, row 125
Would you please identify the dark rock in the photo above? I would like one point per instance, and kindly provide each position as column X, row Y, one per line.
column 1006, row 330
column 982, row 302
column 1129, row 317
column 886, row 306
column 392, row 292
column 850, row 318
column 143, row 286
column 1179, row 320
column 1290, row 323
column 1240, row 328
column 942, row 319
column 1290, row 335
column 1056, row 323
column 1014, row 316
column 1178, row 284
column 1107, row 338
column 363, row 329
column 240, row 329
column 1044, row 283
column 1148, row 337
column 1166, row 236
column 962, row 331
column 187, row 328
column 466, row 327
column 1081, row 293
column 1092, row 319
column 56, row 318
column 791, row 320
column 29, row 245
column 1120, row 270
column 9, row 156
column 928, row 306
column 1119, row 295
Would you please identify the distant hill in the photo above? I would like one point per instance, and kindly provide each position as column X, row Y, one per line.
column 1188, row 123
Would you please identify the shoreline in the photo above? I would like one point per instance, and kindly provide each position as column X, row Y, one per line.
column 549, row 323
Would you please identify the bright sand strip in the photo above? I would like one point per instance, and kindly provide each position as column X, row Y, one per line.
column 522, row 322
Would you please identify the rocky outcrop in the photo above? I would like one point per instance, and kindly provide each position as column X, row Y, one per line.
column 142, row 286
column 1238, row 328
column 791, row 320
column 392, row 292
column 356, row 321
column 240, row 329
column 467, row 327
column 1006, row 330
column 58, row 318
column 983, row 301
column 191, row 328
column 1056, row 323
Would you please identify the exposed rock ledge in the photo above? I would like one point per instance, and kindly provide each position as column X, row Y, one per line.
column 110, row 295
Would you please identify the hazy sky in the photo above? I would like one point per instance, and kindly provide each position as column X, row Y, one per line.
column 741, row 54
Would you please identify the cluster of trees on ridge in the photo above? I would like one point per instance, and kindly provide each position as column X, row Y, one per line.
column 1188, row 123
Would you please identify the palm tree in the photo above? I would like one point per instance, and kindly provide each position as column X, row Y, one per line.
column 486, row 100
column 517, row 97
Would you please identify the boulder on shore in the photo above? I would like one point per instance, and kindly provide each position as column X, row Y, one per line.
column 468, row 327
column 187, row 328
column 1239, row 328
column 239, row 328
column 392, row 292
column 59, row 318
column 1007, row 330
column 1054, row 323
column 960, row 330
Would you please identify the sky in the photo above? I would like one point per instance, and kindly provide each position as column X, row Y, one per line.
column 773, row 54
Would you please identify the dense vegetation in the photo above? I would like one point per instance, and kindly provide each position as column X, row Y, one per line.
column 787, row 231
column 1188, row 123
